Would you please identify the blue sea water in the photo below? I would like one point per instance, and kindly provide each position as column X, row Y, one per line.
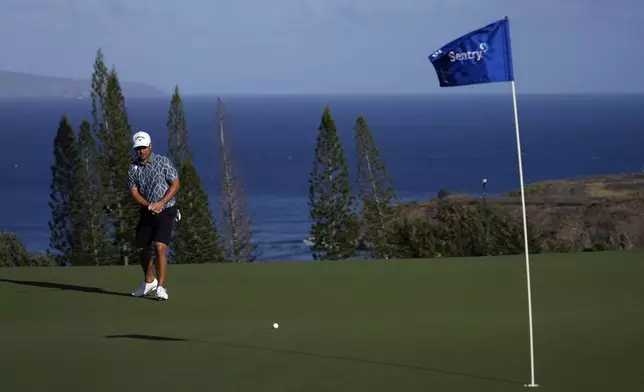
column 428, row 142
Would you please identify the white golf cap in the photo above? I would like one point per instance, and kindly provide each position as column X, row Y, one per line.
column 141, row 139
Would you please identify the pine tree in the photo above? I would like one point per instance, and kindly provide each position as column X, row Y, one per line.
column 66, row 159
column 196, row 239
column 89, row 230
column 113, row 131
column 334, row 227
column 237, row 235
column 118, row 160
column 375, row 190
column 99, row 91
column 178, row 147
column 96, row 166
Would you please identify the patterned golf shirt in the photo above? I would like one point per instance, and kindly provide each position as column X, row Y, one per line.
column 152, row 179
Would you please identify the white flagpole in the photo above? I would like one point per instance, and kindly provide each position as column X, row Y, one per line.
column 525, row 234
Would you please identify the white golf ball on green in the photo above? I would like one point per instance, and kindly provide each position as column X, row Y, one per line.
column 276, row 325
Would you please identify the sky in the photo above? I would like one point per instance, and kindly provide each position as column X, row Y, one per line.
column 322, row 46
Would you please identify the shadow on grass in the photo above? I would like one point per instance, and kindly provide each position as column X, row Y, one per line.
column 147, row 337
column 65, row 287
column 325, row 356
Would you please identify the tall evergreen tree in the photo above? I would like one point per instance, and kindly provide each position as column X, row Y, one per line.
column 96, row 167
column 89, row 227
column 237, row 234
column 178, row 147
column 196, row 239
column 334, row 227
column 119, row 158
column 113, row 131
column 99, row 91
column 375, row 190
column 66, row 159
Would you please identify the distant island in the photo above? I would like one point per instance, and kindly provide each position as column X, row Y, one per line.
column 24, row 85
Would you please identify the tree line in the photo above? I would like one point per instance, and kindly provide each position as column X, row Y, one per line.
column 93, row 217
column 375, row 224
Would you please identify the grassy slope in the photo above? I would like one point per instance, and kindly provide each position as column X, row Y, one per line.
column 575, row 190
column 571, row 214
column 441, row 325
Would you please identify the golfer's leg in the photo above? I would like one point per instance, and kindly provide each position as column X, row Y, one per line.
column 161, row 240
column 162, row 261
column 143, row 240
column 149, row 284
column 146, row 263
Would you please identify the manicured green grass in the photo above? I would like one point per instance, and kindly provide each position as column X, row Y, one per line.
column 435, row 325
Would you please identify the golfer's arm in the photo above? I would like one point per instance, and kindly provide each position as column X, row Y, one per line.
column 137, row 196
column 174, row 187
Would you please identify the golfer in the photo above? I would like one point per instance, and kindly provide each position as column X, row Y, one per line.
column 153, row 181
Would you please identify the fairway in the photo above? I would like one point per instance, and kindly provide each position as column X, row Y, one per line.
column 417, row 325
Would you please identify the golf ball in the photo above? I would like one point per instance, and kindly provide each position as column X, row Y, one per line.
column 275, row 325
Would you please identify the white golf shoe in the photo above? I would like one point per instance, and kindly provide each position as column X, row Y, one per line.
column 161, row 294
column 146, row 288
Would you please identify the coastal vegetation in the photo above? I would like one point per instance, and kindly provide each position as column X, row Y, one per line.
column 93, row 218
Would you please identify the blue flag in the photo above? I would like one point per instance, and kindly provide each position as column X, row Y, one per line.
column 481, row 56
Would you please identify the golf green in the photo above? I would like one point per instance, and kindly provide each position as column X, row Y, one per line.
column 412, row 325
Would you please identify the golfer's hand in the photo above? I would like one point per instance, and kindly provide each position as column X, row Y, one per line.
column 156, row 207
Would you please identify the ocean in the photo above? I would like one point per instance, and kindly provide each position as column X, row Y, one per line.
column 428, row 142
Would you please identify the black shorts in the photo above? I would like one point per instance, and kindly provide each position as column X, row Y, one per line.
column 154, row 227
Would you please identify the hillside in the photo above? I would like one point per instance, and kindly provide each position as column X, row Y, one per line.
column 23, row 85
column 577, row 214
